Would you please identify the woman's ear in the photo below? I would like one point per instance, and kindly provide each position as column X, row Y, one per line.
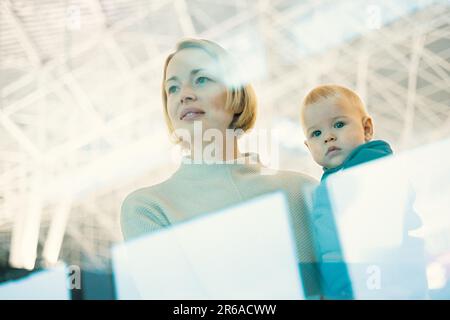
column 368, row 128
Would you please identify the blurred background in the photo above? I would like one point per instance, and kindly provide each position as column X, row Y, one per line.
column 81, row 121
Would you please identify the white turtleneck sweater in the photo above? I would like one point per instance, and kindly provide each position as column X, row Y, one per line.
column 197, row 189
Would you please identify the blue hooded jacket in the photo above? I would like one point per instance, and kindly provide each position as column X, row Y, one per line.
column 335, row 280
column 364, row 153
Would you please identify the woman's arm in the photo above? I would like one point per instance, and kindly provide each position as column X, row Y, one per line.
column 141, row 215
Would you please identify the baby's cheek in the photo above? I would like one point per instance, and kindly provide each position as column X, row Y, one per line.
column 318, row 157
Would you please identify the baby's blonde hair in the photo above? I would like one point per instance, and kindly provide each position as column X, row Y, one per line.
column 241, row 97
column 333, row 91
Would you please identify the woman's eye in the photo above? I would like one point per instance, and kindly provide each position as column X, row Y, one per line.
column 172, row 89
column 339, row 124
column 201, row 80
column 316, row 133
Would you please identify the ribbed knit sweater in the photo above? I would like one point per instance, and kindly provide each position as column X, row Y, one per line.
column 197, row 189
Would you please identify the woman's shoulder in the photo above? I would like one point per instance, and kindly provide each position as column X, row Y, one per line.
column 298, row 185
column 142, row 211
column 146, row 194
column 295, row 177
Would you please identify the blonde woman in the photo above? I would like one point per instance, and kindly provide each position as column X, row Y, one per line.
column 202, row 92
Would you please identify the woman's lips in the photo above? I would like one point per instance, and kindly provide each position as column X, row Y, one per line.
column 191, row 114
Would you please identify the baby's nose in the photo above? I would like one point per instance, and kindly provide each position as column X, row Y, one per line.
column 330, row 138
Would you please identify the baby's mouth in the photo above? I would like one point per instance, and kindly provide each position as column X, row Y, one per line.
column 332, row 150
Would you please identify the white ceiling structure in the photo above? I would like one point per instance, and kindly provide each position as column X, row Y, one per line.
column 81, row 121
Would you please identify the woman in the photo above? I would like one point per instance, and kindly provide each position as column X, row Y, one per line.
column 202, row 92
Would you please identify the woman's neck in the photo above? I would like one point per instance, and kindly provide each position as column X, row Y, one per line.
column 216, row 151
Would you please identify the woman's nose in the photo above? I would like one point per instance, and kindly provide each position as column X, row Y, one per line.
column 187, row 95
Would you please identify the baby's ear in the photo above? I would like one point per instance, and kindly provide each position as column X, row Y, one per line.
column 368, row 128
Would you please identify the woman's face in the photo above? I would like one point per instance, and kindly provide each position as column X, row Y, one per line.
column 196, row 92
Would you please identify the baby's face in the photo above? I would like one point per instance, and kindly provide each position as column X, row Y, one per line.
column 333, row 130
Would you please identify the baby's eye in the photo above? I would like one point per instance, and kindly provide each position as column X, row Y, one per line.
column 172, row 89
column 201, row 80
column 316, row 133
column 339, row 124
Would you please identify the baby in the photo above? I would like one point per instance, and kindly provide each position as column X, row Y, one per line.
column 338, row 129
column 338, row 133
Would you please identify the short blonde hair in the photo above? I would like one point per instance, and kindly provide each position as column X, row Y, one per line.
column 241, row 97
column 333, row 91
